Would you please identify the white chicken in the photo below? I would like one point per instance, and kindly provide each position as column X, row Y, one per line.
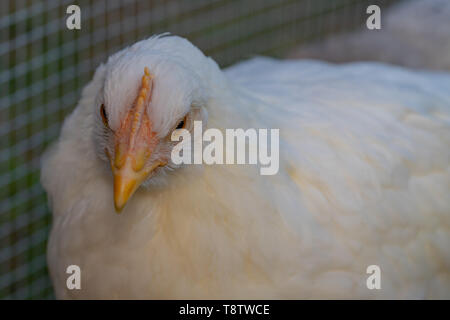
column 364, row 179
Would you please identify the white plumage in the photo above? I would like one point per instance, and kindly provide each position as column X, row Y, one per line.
column 364, row 179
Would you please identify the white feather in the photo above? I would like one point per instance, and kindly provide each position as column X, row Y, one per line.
column 364, row 179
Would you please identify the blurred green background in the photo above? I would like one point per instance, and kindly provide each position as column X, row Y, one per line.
column 43, row 67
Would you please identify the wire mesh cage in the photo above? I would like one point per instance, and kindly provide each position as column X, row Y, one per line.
column 44, row 66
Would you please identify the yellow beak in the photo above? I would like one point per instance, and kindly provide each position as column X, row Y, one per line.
column 135, row 142
column 128, row 178
column 126, row 182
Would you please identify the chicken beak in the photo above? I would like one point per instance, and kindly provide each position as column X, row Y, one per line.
column 128, row 176
column 127, row 180
column 124, row 187
column 135, row 142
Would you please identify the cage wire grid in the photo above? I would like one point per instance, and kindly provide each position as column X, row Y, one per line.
column 44, row 66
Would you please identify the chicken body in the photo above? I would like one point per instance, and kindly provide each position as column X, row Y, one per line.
column 364, row 180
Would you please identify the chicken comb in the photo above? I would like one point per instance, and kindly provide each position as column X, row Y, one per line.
column 144, row 95
column 146, row 87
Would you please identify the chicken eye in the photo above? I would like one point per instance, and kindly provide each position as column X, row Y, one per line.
column 181, row 124
column 104, row 116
